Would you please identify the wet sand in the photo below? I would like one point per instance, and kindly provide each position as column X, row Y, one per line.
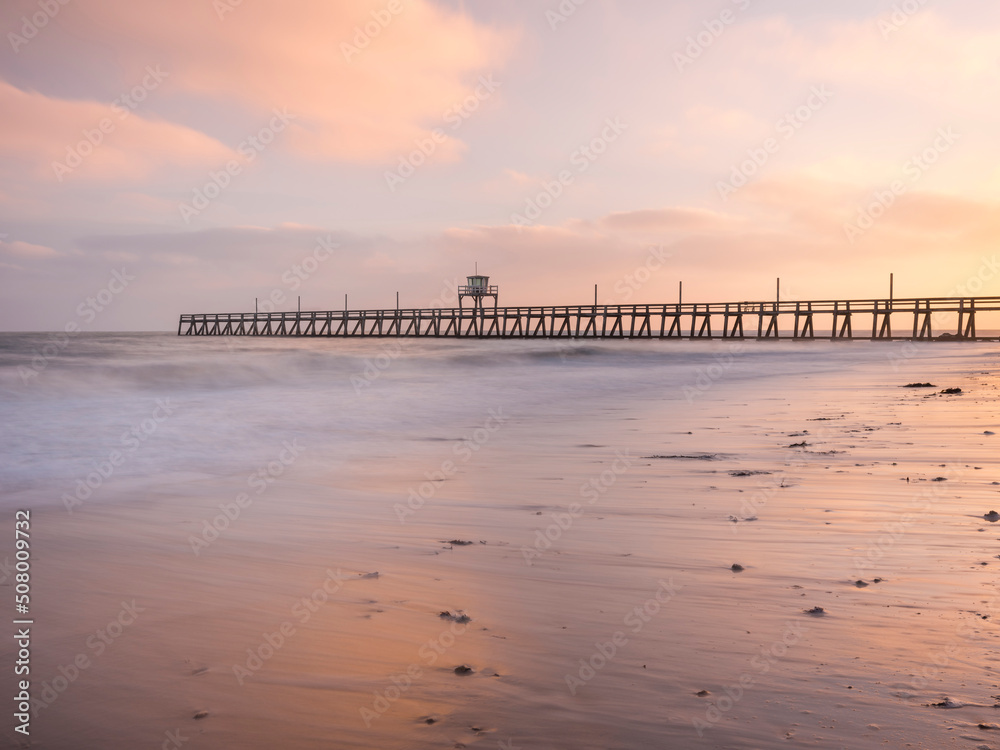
column 605, row 610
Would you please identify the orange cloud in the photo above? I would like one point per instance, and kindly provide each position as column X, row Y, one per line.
column 792, row 227
column 941, row 214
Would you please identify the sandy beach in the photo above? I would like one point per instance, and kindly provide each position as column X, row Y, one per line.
column 439, row 374
column 685, row 545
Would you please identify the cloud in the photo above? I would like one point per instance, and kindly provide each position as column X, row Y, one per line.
column 56, row 140
column 949, row 62
column 26, row 250
column 921, row 213
column 365, row 79
column 520, row 178
column 667, row 220
column 792, row 228
column 721, row 121
column 927, row 58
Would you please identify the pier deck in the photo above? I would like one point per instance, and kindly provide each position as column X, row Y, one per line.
column 921, row 318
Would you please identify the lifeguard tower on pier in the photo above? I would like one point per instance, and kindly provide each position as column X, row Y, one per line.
column 477, row 288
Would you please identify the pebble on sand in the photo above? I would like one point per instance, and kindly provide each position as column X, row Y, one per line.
column 815, row 611
column 992, row 516
column 736, row 567
column 464, row 669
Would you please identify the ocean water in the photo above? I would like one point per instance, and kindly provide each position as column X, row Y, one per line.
column 213, row 406
column 606, row 489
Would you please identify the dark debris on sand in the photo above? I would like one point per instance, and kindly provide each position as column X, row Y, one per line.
column 946, row 703
column 458, row 616
column 690, row 457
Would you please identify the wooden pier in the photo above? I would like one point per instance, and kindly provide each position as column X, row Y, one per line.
column 876, row 319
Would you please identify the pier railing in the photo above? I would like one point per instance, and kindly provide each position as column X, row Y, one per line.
column 920, row 318
column 479, row 291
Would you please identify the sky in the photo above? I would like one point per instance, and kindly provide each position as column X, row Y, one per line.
column 198, row 155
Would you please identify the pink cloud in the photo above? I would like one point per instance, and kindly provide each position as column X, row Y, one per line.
column 57, row 140
column 27, row 250
column 789, row 229
column 667, row 220
column 926, row 57
column 365, row 80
